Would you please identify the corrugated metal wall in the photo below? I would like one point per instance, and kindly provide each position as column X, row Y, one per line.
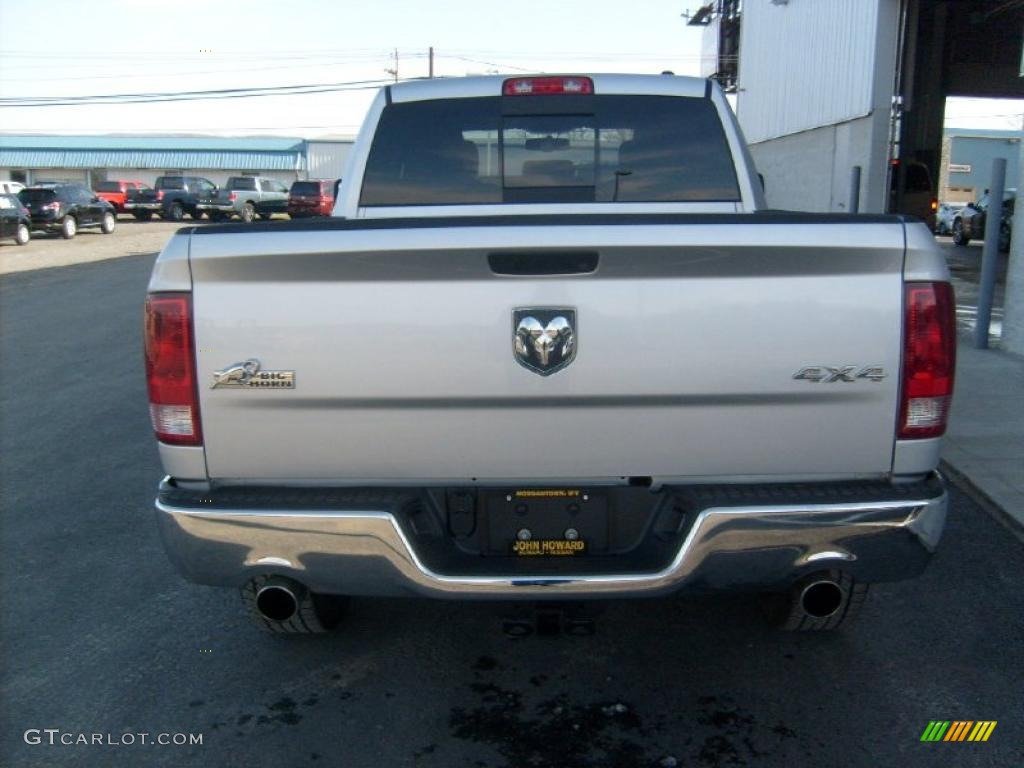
column 805, row 64
column 77, row 158
column 326, row 159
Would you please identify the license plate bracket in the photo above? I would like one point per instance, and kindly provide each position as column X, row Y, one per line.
column 546, row 522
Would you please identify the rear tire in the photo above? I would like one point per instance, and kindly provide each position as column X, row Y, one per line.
column 68, row 227
column 175, row 212
column 958, row 233
column 784, row 612
column 109, row 223
column 316, row 614
column 248, row 213
column 22, row 235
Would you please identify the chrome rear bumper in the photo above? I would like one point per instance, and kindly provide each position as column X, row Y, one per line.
column 366, row 551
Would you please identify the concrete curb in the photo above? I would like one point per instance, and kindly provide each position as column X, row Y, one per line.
column 965, row 484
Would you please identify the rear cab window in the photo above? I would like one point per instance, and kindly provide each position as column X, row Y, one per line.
column 37, row 196
column 108, row 186
column 576, row 149
column 241, row 183
column 309, row 188
column 170, row 182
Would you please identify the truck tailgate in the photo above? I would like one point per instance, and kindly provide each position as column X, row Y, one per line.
column 688, row 338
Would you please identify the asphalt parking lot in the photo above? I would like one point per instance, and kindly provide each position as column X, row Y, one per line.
column 101, row 636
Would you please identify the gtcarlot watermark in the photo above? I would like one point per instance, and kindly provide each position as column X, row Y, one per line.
column 55, row 736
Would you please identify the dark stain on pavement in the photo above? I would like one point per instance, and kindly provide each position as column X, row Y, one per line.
column 283, row 712
column 560, row 733
column 554, row 733
column 734, row 732
column 485, row 664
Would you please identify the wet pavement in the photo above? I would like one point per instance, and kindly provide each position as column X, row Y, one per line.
column 965, row 268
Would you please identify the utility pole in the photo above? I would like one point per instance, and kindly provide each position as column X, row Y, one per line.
column 430, row 58
column 1013, row 302
column 394, row 72
column 990, row 253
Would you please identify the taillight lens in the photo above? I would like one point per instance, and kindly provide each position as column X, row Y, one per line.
column 929, row 359
column 232, row 196
column 535, row 86
column 160, row 194
column 170, row 369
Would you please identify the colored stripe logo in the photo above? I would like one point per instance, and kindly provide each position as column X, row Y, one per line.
column 958, row 730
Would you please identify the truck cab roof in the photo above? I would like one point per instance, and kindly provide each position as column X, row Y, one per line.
column 492, row 85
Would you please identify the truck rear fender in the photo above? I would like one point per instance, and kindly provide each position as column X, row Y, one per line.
column 923, row 262
column 173, row 273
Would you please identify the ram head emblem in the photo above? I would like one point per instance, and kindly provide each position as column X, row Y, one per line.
column 544, row 338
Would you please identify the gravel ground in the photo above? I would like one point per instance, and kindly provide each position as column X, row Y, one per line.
column 131, row 238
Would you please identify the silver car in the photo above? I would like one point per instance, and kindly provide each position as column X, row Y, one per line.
column 944, row 217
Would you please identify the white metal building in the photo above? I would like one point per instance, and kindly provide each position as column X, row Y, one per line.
column 816, row 83
column 827, row 86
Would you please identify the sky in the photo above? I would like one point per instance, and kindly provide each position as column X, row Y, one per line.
column 155, row 46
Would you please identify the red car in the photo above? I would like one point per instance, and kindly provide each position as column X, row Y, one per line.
column 311, row 198
column 115, row 191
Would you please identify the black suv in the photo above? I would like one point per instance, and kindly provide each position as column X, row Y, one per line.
column 66, row 208
column 14, row 219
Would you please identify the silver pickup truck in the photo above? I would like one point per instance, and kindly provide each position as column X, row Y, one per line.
column 246, row 197
column 551, row 346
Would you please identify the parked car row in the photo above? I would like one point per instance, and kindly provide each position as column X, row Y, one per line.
column 247, row 197
column 54, row 207
column 67, row 207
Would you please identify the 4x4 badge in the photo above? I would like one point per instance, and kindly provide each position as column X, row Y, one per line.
column 544, row 338
column 247, row 375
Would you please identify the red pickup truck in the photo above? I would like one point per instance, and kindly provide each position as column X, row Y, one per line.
column 115, row 191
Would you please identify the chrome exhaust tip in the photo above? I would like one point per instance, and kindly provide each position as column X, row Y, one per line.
column 278, row 599
column 821, row 599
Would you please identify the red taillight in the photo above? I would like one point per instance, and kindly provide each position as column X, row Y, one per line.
column 535, row 86
column 232, row 196
column 160, row 194
column 929, row 359
column 170, row 369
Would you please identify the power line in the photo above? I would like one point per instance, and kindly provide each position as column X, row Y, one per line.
column 151, row 75
column 489, row 63
column 158, row 97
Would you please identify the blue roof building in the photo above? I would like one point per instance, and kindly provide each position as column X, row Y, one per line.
column 29, row 158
